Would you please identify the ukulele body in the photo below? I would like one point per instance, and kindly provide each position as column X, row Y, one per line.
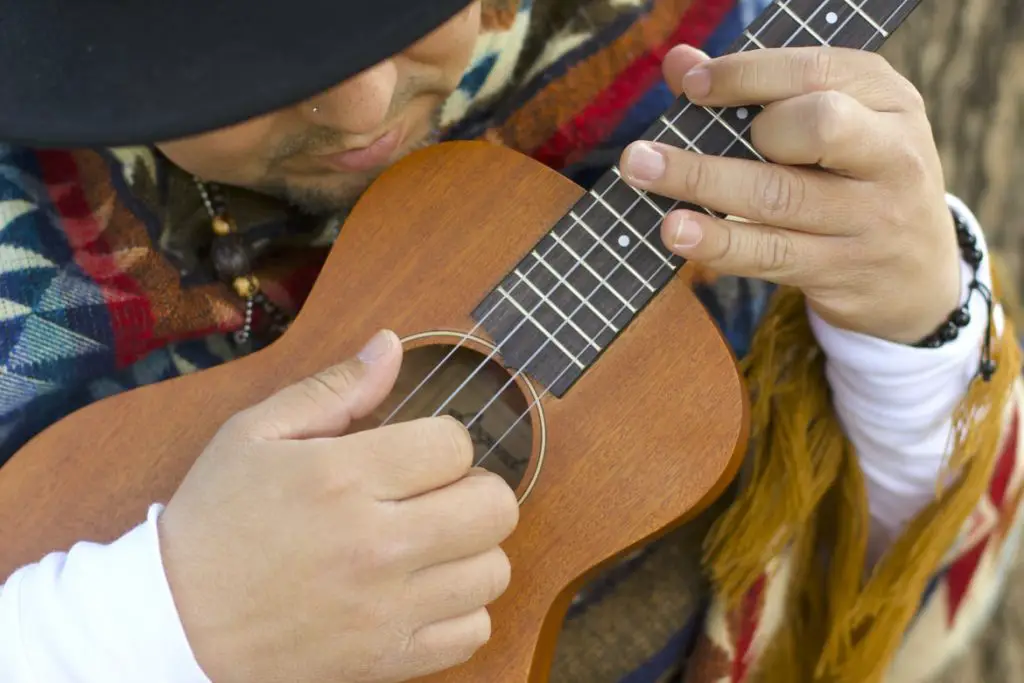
column 646, row 439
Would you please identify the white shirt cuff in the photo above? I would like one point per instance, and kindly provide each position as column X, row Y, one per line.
column 97, row 614
column 896, row 401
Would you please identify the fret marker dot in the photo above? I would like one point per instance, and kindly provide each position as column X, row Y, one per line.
column 742, row 113
column 831, row 17
column 623, row 241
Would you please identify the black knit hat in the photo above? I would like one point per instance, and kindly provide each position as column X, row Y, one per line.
column 120, row 72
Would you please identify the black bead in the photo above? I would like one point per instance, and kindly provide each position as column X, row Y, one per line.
column 962, row 317
column 973, row 257
column 230, row 257
column 987, row 369
column 966, row 240
column 949, row 332
column 932, row 342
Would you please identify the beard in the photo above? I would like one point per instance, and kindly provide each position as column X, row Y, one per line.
column 326, row 195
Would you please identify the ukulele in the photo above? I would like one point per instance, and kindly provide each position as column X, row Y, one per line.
column 549, row 318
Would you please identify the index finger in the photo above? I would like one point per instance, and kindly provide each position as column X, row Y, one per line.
column 760, row 77
column 405, row 459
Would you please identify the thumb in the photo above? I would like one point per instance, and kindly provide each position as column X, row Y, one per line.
column 325, row 404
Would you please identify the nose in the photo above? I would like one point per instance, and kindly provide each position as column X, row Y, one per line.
column 360, row 105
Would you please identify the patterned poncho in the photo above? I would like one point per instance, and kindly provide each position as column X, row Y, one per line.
column 104, row 287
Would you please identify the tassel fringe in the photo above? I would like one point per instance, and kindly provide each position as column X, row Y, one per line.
column 805, row 493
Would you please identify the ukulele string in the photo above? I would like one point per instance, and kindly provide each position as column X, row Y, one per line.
column 546, row 390
column 576, row 222
column 641, row 196
column 691, row 144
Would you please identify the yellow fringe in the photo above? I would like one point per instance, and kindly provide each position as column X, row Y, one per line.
column 805, row 492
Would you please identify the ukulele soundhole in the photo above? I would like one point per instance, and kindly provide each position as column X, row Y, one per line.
column 499, row 409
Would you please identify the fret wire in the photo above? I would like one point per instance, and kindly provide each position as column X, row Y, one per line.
column 556, row 309
column 611, row 251
column 785, row 6
column 736, row 136
column 691, row 143
column 550, row 335
column 593, row 272
column 755, row 40
column 579, row 261
column 781, row 5
column 497, row 347
column 547, row 388
column 564, row 282
column 641, row 193
column 621, row 219
column 859, row 9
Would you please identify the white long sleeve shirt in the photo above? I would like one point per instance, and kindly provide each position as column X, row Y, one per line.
column 105, row 614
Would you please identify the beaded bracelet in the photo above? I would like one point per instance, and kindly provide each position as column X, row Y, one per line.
column 961, row 317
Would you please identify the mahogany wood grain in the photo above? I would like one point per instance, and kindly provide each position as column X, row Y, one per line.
column 650, row 436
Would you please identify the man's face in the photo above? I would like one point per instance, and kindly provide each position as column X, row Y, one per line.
column 323, row 153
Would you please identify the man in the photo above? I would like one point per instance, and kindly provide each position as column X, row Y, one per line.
column 138, row 136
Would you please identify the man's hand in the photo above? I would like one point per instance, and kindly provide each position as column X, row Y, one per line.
column 853, row 209
column 296, row 554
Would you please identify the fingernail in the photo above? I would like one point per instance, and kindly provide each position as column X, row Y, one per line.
column 686, row 232
column 644, row 162
column 697, row 82
column 376, row 348
column 693, row 51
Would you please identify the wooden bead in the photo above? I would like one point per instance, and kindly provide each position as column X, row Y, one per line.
column 221, row 226
column 247, row 285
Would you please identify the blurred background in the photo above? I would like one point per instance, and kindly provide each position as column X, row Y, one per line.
column 967, row 58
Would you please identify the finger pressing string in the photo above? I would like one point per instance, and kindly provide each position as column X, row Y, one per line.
column 742, row 248
column 832, row 130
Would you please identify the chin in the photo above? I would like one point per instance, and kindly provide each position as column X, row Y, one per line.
column 323, row 198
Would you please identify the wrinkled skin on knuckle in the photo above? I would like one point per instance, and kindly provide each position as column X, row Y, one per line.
column 813, row 69
column 696, row 179
column 772, row 251
column 332, row 381
column 748, row 76
column 780, row 193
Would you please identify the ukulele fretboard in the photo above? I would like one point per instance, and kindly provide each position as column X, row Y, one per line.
column 584, row 282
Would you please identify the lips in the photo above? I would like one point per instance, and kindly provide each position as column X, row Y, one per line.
column 375, row 155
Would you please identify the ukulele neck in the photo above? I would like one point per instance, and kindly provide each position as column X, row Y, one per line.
column 583, row 283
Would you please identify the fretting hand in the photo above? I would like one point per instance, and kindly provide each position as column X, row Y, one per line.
column 852, row 210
